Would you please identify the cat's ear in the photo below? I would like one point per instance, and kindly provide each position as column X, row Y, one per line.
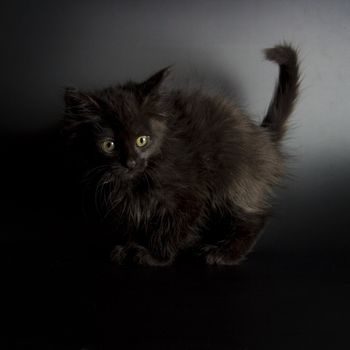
column 79, row 103
column 80, row 109
column 153, row 83
column 76, row 100
column 72, row 96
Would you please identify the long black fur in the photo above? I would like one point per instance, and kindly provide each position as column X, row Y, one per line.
column 204, row 182
column 286, row 91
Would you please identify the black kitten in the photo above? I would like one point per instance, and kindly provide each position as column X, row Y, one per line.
column 176, row 170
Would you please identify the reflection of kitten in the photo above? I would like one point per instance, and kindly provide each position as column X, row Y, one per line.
column 180, row 170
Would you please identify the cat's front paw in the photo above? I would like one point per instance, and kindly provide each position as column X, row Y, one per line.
column 220, row 255
column 144, row 257
column 136, row 254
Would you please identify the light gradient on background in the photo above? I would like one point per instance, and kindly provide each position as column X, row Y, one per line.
column 46, row 46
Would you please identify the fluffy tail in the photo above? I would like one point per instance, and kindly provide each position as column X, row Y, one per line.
column 286, row 90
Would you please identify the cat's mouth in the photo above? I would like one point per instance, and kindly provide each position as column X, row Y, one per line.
column 123, row 174
column 132, row 173
column 126, row 175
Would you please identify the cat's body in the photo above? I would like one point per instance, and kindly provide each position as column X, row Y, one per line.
column 175, row 170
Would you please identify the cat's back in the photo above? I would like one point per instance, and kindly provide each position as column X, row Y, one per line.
column 219, row 142
column 210, row 124
column 200, row 110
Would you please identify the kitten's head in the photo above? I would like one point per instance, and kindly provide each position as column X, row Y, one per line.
column 117, row 130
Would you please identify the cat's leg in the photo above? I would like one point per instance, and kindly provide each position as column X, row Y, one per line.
column 241, row 234
column 160, row 247
column 165, row 241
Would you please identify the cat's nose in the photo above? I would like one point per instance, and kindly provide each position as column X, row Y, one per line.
column 131, row 163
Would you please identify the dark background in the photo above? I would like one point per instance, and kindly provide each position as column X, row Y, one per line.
column 291, row 293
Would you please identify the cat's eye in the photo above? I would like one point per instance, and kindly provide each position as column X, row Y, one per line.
column 107, row 146
column 142, row 141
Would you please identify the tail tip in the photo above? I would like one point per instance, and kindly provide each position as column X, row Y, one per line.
column 283, row 54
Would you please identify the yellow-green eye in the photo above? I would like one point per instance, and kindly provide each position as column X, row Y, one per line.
column 107, row 146
column 142, row 141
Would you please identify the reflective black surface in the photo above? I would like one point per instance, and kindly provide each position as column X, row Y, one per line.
column 271, row 301
column 61, row 292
